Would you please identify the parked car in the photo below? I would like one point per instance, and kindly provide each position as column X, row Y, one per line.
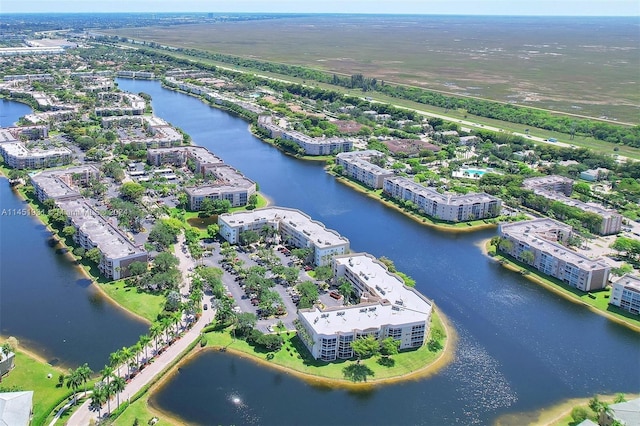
column 205, row 307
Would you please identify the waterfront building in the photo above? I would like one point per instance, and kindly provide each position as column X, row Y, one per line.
column 152, row 132
column 388, row 308
column 6, row 363
column 293, row 226
column 16, row 408
column 16, row 155
column 625, row 294
column 357, row 165
column 64, row 183
column 559, row 188
column 95, row 231
column 229, row 184
column 539, row 243
column 449, row 207
column 311, row 146
column 120, row 104
column 145, row 75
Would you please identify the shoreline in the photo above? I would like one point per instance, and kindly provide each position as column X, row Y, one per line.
column 444, row 359
column 533, row 277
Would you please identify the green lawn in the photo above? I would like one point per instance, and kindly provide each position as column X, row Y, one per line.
column 140, row 410
column 598, row 300
column 31, row 374
column 295, row 356
column 146, row 305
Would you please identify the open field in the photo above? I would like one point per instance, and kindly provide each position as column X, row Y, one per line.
column 586, row 66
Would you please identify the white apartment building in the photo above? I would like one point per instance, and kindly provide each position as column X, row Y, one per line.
column 357, row 165
column 625, row 294
column 389, row 309
column 293, row 226
column 18, row 156
column 94, row 231
column 158, row 133
column 59, row 184
column 542, row 238
column 120, row 104
column 229, row 185
column 449, row 207
column 559, row 188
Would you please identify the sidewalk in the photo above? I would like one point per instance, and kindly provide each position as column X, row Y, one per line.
column 82, row 416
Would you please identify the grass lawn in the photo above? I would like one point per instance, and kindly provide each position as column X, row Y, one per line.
column 146, row 305
column 140, row 410
column 597, row 300
column 294, row 356
column 31, row 374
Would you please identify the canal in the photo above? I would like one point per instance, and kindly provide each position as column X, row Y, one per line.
column 520, row 348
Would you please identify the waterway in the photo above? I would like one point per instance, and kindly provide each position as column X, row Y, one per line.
column 46, row 302
column 521, row 348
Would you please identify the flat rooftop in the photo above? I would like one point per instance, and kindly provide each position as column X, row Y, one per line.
column 629, row 282
column 314, row 230
column 447, row 199
column 55, row 183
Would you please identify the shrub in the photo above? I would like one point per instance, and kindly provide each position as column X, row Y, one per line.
column 579, row 414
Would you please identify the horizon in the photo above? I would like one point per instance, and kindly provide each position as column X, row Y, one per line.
column 546, row 8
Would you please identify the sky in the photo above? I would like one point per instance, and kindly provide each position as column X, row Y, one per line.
column 434, row 7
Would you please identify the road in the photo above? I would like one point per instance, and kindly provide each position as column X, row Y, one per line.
column 83, row 416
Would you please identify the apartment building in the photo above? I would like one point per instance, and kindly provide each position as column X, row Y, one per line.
column 18, row 156
column 449, row 207
column 311, row 146
column 559, row 188
column 157, row 132
column 293, row 227
column 95, row 231
column 64, row 183
column 357, row 165
column 539, row 243
column 121, row 104
column 625, row 294
column 229, row 184
column 388, row 308
column 178, row 156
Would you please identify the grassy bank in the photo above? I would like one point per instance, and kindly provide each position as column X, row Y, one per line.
column 30, row 373
column 146, row 305
column 597, row 301
column 294, row 358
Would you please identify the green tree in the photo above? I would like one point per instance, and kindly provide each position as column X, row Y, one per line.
column 74, row 380
column 579, row 414
column 138, row 268
column 308, row 294
column 365, row 347
column 68, row 231
column 94, row 255
column 248, row 237
column 163, row 234
column 252, row 203
column 165, row 262
column 324, row 273
column 210, row 207
column 98, row 397
column 389, row 346
column 245, row 322
column 345, row 288
column 212, row 230
column 84, row 372
column 271, row 342
column 117, row 385
column 131, row 191
column 57, row 217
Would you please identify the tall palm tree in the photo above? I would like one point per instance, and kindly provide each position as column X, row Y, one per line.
column 126, row 357
column 115, row 360
column 135, row 352
column 117, row 386
column 84, row 372
column 176, row 319
column 166, row 325
column 144, row 342
column 154, row 332
column 73, row 382
column 98, row 398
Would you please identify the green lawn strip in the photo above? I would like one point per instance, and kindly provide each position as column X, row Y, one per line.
column 139, row 410
column 31, row 374
column 599, row 300
column 146, row 305
column 294, row 356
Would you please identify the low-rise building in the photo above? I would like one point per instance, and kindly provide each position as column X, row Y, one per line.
column 449, row 207
column 16, row 408
column 18, row 156
column 120, row 103
column 388, row 308
column 157, row 132
column 229, row 184
column 61, row 184
column 95, row 231
column 550, row 183
column 357, row 165
column 538, row 243
column 625, row 294
column 293, row 226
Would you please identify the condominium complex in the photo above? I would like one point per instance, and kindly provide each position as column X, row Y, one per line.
column 625, row 294
column 227, row 183
column 120, row 104
column 538, row 243
column 311, row 146
column 150, row 131
column 559, row 188
column 16, row 154
column 95, row 231
column 92, row 229
column 388, row 308
column 449, row 207
column 293, row 226
column 357, row 165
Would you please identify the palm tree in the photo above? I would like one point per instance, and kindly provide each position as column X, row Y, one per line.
column 144, row 342
column 176, row 319
column 117, row 386
column 154, row 332
column 98, row 398
column 73, row 382
column 115, row 360
column 135, row 354
column 85, row 374
column 165, row 323
column 126, row 357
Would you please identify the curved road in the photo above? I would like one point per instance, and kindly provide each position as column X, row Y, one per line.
column 82, row 416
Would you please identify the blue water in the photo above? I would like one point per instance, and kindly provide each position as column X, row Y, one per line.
column 520, row 348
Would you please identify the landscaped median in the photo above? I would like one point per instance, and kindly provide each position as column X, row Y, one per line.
column 294, row 358
column 597, row 301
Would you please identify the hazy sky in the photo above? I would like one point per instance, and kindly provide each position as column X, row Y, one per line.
column 457, row 7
